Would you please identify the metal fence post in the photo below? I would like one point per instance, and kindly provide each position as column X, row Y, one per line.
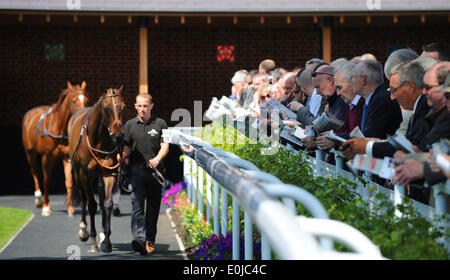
column 224, row 198
column 319, row 157
column 200, row 190
column 216, row 207
column 248, row 237
column 236, row 230
column 399, row 192
column 208, row 198
column 194, row 183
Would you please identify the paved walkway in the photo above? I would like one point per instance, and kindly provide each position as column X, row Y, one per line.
column 55, row 237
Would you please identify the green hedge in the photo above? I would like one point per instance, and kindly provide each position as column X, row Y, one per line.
column 408, row 237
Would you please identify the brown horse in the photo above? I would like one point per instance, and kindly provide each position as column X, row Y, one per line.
column 44, row 137
column 95, row 139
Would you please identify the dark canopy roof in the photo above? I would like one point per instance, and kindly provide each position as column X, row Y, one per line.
column 228, row 6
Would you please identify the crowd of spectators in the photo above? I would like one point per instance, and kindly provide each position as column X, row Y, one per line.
column 413, row 101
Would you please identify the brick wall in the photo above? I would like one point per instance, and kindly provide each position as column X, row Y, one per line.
column 103, row 57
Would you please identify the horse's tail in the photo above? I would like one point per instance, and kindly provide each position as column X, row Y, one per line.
column 77, row 194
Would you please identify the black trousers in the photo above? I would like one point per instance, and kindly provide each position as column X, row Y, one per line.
column 146, row 202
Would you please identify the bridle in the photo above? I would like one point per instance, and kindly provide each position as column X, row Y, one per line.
column 84, row 130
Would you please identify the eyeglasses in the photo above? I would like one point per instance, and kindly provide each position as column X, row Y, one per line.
column 298, row 89
column 392, row 90
column 314, row 73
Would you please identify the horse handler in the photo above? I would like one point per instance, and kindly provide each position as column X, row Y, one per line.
column 143, row 152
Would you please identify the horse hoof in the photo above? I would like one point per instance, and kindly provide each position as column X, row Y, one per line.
column 93, row 249
column 83, row 237
column 46, row 211
column 38, row 203
column 105, row 247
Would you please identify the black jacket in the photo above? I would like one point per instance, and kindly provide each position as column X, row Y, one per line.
column 417, row 129
column 383, row 115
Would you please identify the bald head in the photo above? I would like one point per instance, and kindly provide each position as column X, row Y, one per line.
column 323, row 80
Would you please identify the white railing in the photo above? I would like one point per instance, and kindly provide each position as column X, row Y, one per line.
column 257, row 193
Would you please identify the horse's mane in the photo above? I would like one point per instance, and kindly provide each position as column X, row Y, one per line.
column 62, row 96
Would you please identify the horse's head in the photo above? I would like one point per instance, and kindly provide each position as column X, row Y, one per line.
column 113, row 111
column 77, row 96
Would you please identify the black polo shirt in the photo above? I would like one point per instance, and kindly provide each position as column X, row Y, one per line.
column 143, row 138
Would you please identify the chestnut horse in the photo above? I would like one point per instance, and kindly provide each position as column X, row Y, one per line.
column 44, row 137
column 95, row 139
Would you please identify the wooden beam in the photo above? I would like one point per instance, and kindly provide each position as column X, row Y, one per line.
column 288, row 20
column 143, row 60
column 326, row 44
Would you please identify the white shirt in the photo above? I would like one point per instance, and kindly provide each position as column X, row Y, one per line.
column 355, row 101
column 316, row 99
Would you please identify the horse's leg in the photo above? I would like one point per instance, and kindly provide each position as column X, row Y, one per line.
column 69, row 185
column 92, row 208
column 48, row 162
column 35, row 167
column 83, row 235
column 107, row 207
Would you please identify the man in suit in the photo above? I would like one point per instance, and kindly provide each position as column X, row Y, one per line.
column 406, row 87
column 411, row 170
column 381, row 115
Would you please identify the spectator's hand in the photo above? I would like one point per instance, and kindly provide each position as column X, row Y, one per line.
column 433, row 166
column 357, row 145
column 295, row 105
column 416, row 149
column 399, row 156
column 347, row 150
column 410, row 171
column 308, row 141
column 324, row 143
column 291, row 123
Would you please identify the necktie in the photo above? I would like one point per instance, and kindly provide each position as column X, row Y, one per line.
column 363, row 116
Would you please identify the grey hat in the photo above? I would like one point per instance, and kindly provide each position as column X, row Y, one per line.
column 446, row 86
column 239, row 76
